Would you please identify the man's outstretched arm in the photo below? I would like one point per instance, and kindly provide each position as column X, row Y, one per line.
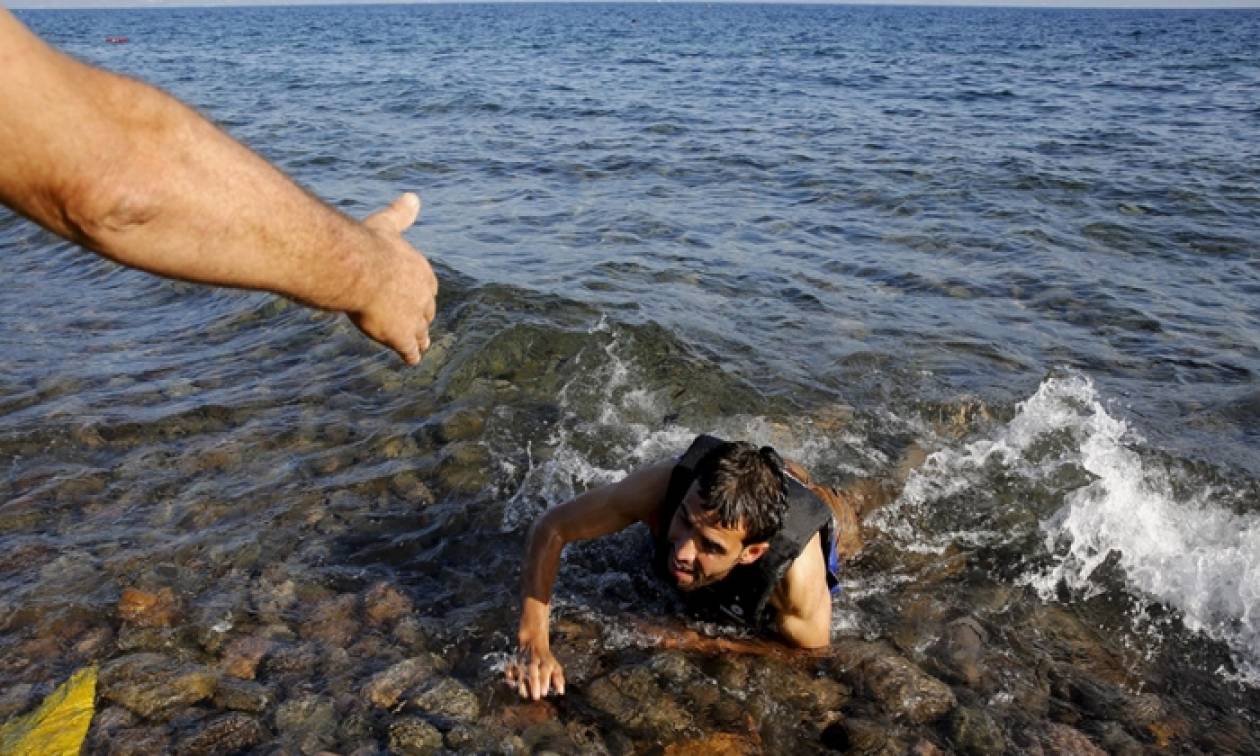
column 593, row 514
column 133, row 174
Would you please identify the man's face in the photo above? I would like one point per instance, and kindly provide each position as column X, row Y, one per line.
column 704, row 552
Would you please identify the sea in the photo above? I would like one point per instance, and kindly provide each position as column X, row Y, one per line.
column 1023, row 241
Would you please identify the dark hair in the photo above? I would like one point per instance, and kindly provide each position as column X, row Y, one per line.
column 745, row 486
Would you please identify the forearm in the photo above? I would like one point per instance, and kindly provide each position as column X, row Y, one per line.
column 129, row 172
column 542, row 562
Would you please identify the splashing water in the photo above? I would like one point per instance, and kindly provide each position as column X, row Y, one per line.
column 1186, row 550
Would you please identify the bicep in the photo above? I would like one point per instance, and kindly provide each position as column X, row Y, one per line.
column 804, row 618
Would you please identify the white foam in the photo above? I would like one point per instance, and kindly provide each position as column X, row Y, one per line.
column 1188, row 552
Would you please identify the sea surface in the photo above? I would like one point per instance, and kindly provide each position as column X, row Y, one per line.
column 1024, row 241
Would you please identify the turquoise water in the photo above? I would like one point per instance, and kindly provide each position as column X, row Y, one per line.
column 1026, row 238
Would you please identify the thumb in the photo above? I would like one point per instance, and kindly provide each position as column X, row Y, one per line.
column 402, row 212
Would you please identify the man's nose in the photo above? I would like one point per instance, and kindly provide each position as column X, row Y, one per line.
column 685, row 550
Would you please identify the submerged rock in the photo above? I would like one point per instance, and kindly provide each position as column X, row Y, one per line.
column 384, row 603
column 241, row 695
column 717, row 744
column 155, row 686
column 226, row 734
column 412, row 736
column 333, row 621
column 385, row 688
column 307, row 715
column 975, row 733
column 633, row 698
column 157, row 608
column 899, row 686
column 138, row 741
column 1061, row 740
column 241, row 657
column 448, row 699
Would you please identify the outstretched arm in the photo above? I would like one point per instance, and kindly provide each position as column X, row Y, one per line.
column 131, row 173
column 593, row 514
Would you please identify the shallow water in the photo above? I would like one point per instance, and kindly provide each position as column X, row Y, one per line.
column 1023, row 239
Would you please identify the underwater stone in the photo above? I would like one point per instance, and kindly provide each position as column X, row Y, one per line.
column 332, row 621
column 447, row 698
column 226, row 734
column 241, row 695
column 413, row 736
column 385, row 688
column 154, row 686
column 308, row 714
column 384, row 603
column 896, row 683
column 1061, row 740
column 633, row 697
column 242, row 655
column 138, row 741
column 462, row 425
column 157, row 608
column 974, row 732
column 717, row 744
column 296, row 659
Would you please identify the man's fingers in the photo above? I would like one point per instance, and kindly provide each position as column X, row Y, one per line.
column 535, row 682
column 403, row 211
column 557, row 681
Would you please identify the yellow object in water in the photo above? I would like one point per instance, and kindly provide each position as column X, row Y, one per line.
column 59, row 725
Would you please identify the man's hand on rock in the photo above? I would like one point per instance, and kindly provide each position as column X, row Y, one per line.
column 535, row 672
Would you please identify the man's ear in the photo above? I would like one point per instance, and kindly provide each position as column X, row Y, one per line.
column 753, row 551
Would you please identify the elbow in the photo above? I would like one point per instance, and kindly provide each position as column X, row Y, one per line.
column 103, row 211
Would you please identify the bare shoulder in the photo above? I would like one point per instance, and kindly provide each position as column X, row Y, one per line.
column 803, row 601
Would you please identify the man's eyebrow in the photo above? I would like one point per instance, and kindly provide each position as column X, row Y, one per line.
column 713, row 545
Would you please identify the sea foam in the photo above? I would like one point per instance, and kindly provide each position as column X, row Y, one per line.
column 1182, row 548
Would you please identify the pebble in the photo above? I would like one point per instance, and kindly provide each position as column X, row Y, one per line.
column 1062, row 740
column 298, row 659
column 333, row 621
column 385, row 688
column 307, row 714
column 156, row 608
column 241, row 695
column 384, row 603
column 412, row 736
column 154, row 686
column 975, row 733
column 448, row 699
column 718, row 744
column 225, row 734
column 242, row 655
column 138, row 741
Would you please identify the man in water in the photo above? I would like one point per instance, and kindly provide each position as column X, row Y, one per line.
column 743, row 535
column 131, row 173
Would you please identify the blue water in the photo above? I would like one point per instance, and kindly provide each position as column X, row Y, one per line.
column 722, row 216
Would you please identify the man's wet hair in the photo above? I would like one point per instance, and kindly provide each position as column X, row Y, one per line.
column 746, row 487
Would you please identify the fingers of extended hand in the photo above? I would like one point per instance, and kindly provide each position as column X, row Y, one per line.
column 399, row 215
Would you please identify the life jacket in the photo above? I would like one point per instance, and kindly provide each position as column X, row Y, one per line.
column 744, row 594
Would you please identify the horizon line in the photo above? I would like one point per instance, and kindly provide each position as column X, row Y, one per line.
column 1125, row 5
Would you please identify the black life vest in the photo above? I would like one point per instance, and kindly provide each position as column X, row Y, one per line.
column 744, row 594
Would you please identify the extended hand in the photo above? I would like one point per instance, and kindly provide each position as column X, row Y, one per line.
column 535, row 672
column 401, row 300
